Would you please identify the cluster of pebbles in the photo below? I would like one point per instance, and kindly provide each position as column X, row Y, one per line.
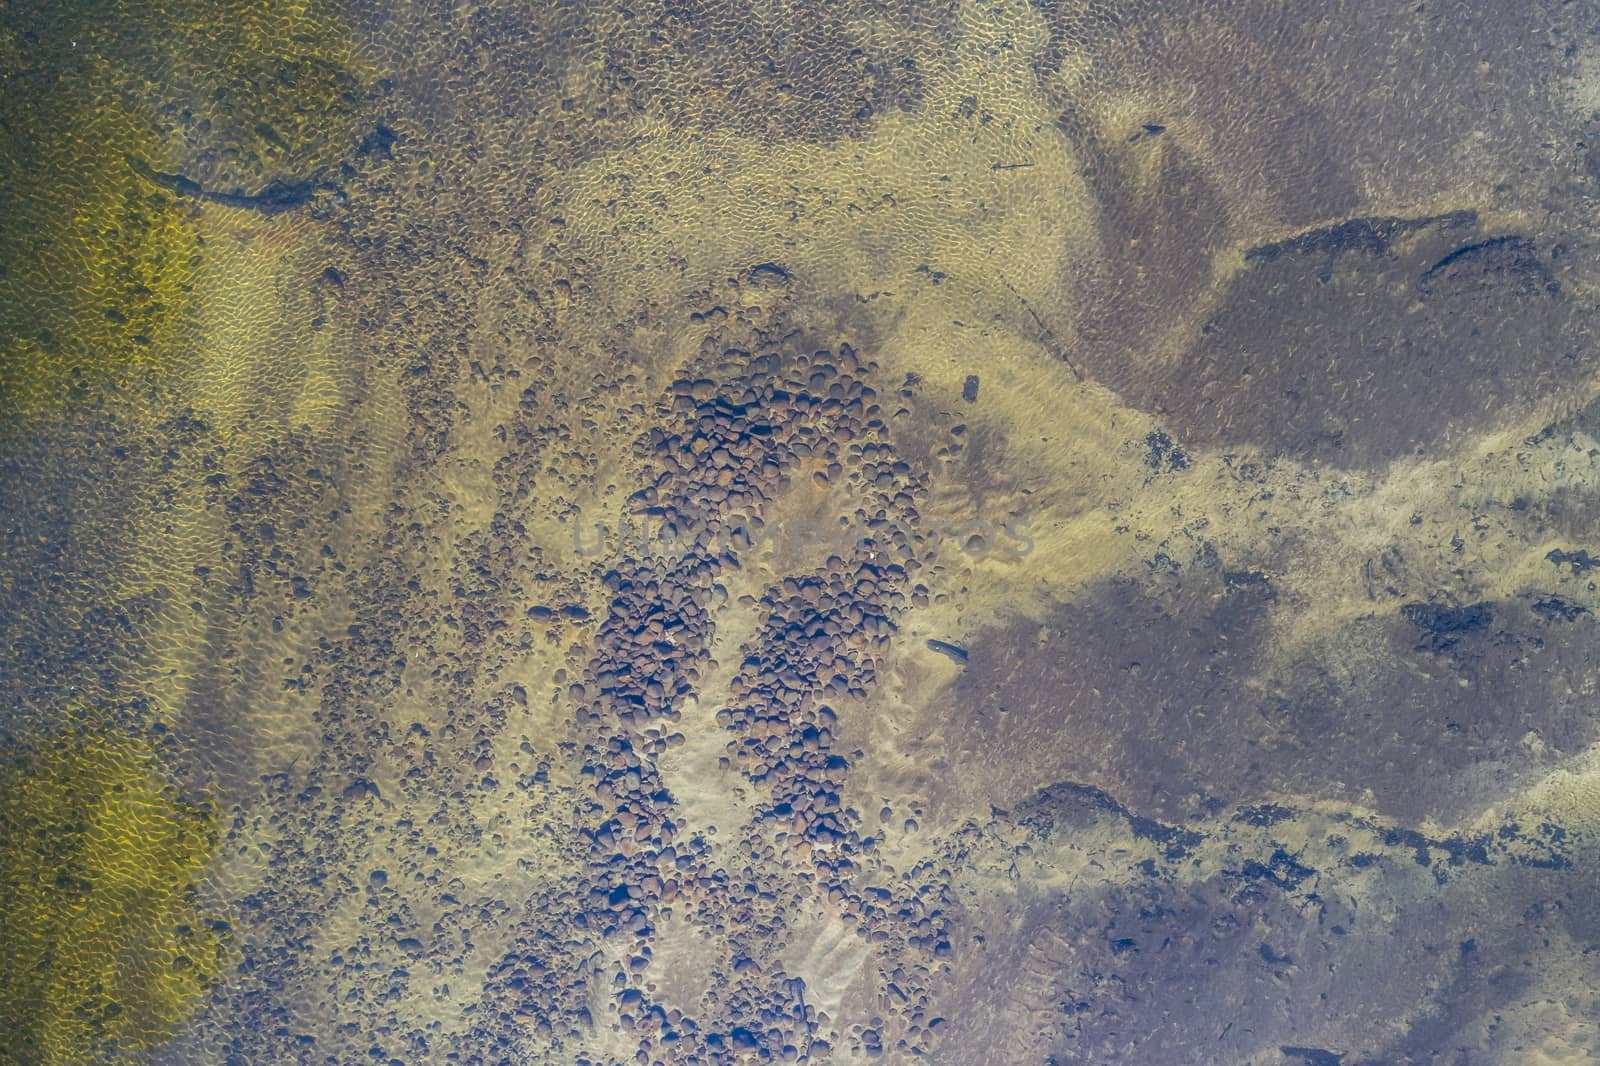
column 731, row 445
column 755, row 422
column 822, row 638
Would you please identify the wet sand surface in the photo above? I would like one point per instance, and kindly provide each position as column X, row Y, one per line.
column 1018, row 533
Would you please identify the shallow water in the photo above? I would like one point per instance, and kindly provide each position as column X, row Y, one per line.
column 970, row 533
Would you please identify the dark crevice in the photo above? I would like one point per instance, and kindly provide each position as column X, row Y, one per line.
column 275, row 198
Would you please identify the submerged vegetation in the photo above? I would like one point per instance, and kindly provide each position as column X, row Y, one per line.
column 96, row 260
column 104, row 945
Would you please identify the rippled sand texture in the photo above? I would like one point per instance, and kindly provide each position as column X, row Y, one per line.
column 1128, row 476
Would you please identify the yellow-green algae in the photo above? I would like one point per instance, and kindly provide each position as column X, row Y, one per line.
column 103, row 944
column 261, row 89
column 94, row 264
column 97, row 261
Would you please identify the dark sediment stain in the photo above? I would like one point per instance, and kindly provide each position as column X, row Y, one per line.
column 1368, row 331
column 1578, row 562
column 1157, row 701
column 1171, row 965
column 1442, row 627
column 1512, row 262
column 1368, row 236
column 1368, row 320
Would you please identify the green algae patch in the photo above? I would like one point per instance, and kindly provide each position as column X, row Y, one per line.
column 97, row 266
column 114, row 119
column 103, row 946
column 249, row 92
column 243, row 92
